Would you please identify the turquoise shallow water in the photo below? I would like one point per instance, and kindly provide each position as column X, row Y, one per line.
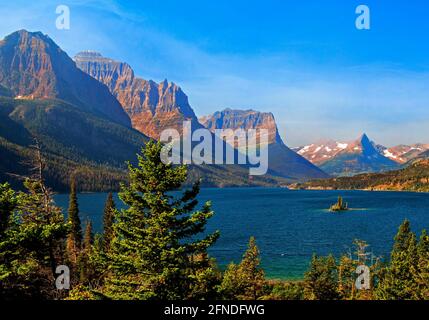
column 290, row 226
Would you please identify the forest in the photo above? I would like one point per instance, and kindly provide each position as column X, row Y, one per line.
column 412, row 177
column 157, row 249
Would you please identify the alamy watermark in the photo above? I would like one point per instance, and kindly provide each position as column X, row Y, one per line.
column 363, row 21
column 363, row 281
column 223, row 146
column 62, row 282
column 63, row 20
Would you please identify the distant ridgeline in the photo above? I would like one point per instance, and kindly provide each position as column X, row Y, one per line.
column 81, row 126
column 89, row 125
column 414, row 177
column 92, row 114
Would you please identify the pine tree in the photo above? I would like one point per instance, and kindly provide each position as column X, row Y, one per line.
column 74, row 238
column 246, row 280
column 250, row 267
column 88, row 238
column 205, row 280
column 422, row 274
column 398, row 280
column 84, row 264
column 321, row 280
column 39, row 239
column 155, row 252
column 108, row 216
column 32, row 234
column 346, row 278
column 8, row 204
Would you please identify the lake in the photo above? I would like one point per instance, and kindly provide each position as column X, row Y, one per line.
column 289, row 226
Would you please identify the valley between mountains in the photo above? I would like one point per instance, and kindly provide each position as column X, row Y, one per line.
column 91, row 114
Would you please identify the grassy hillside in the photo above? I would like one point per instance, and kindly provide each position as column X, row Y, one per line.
column 16, row 163
column 73, row 141
column 68, row 132
column 415, row 177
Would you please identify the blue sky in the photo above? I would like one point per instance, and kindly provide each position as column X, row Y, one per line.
column 302, row 60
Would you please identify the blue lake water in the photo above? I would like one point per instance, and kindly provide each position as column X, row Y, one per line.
column 290, row 226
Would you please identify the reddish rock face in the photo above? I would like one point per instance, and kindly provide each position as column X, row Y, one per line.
column 282, row 161
column 243, row 119
column 32, row 66
column 152, row 107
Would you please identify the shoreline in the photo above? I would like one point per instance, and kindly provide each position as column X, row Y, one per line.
column 265, row 188
column 366, row 190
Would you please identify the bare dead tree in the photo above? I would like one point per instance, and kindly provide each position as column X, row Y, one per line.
column 37, row 166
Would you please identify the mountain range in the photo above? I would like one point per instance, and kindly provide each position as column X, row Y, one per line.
column 91, row 114
column 362, row 155
column 80, row 121
column 32, row 67
column 82, row 128
column 405, row 153
column 282, row 161
column 154, row 107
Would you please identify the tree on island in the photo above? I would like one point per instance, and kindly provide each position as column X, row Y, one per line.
column 339, row 206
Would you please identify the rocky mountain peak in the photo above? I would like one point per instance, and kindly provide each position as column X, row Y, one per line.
column 282, row 161
column 32, row 66
column 243, row 119
column 349, row 157
column 151, row 106
column 23, row 36
column 364, row 138
column 364, row 145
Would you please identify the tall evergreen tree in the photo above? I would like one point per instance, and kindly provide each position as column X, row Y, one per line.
column 398, row 280
column 85, row 268
column 321, row 280
column 422, row 274
column 246, row 280
column 38, row 239
column 32, row 237
column 157, row 238
column 88, row 238
column 74, row 238
column 108, row 216
column 8, row 225
column 8, row 203
column 346, row 278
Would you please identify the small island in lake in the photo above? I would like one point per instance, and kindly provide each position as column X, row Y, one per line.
column 339, row 206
